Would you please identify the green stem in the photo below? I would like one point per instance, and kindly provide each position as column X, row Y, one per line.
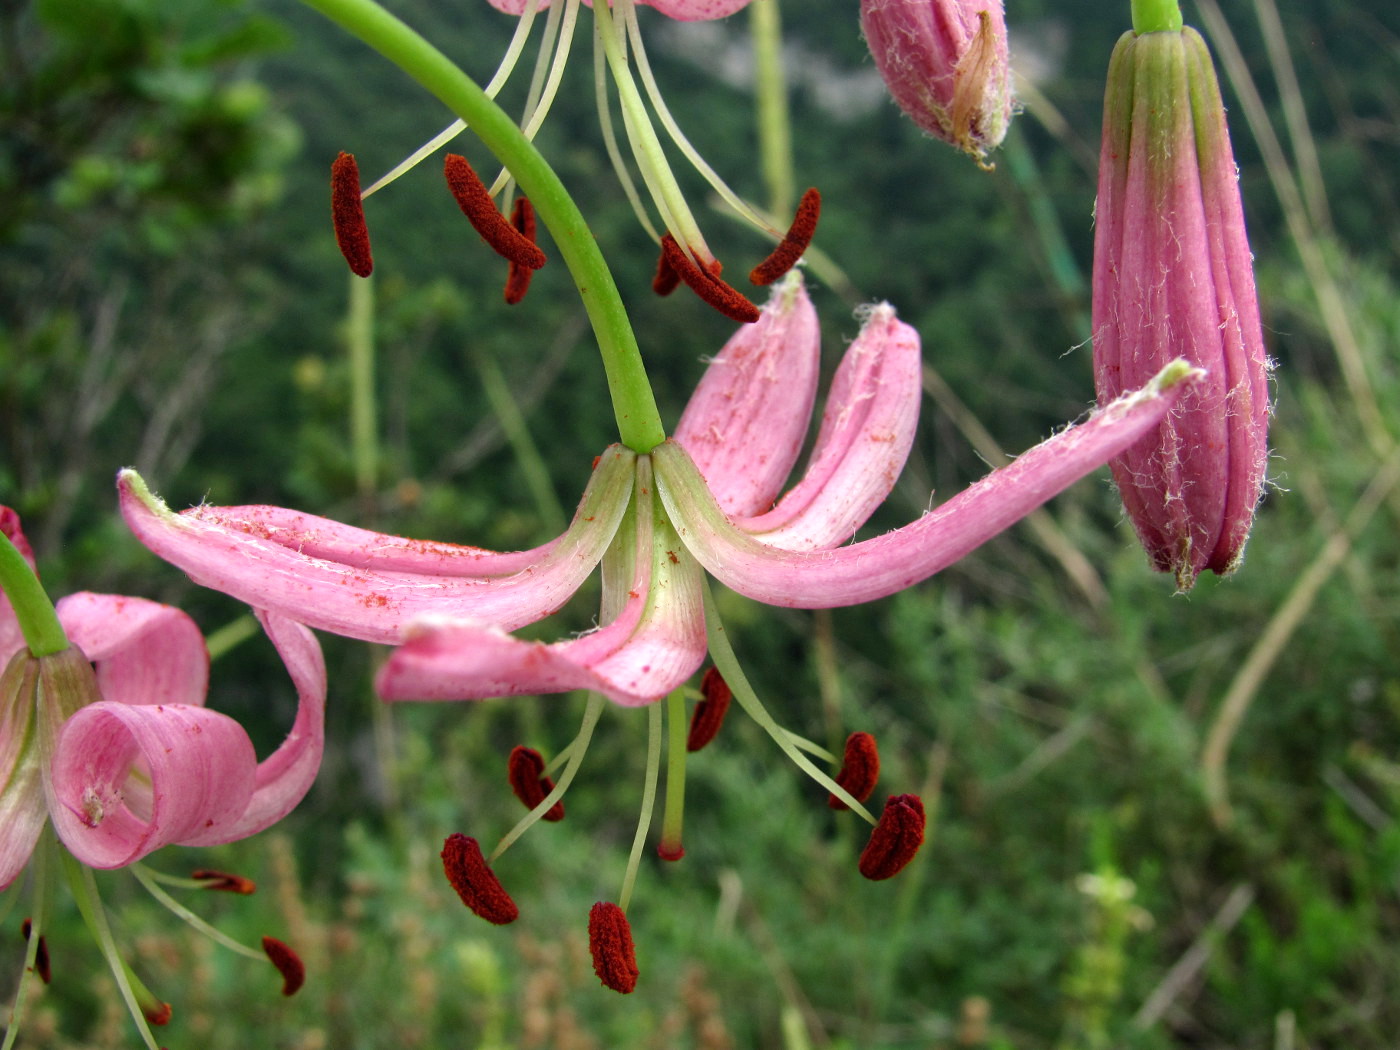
column 1156, row 16
column 770, row 96
column 35, row 613
column 638, row 420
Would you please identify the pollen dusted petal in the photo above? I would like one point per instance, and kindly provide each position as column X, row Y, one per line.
column 860, row 769
column 610, row 941
column 288, row 964
column 709, row 713
column 348, row 215
column 496, row 230
column 708, row 285
column 799, row 236
column 896, row 838
column 474, row 882
column 525, row 769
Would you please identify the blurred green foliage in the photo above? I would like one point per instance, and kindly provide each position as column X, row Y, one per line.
column 172, row 298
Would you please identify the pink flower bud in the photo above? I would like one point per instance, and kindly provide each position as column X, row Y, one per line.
column 945, row 63
column 1173, row 278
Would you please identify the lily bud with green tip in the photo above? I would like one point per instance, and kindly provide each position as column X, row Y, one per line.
column 1174, row 278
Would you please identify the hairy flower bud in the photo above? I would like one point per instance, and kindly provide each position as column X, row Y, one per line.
column 1173, row 278
column 945, row 63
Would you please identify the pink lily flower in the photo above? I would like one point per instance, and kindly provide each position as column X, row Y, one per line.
column 680, row 10
column 111, row 741
column 704, row 498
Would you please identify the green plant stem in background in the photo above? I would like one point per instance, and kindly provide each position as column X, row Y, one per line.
column 1156, row 16
column 770, row 97
column 634, row 406
column 35, row 613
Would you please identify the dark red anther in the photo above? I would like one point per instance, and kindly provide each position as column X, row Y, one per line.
column 525, row 768
column 348, row 214
column 860, row 769
column 474, row 882
column 895, row 839
column 522, row 218
column 288, row 964
column 224, row 881
column 709, row 713
column 784, row 257
column 158, row 1013
column 41, row 953
column 666, row 280
column 610, row 941
column 496, row 230
column 707, row 284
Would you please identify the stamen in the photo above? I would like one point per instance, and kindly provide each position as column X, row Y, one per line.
column 860, row 769
column 784, row 257
column 477, row 205
column 708, row 285
column 41, row 954
column 896, row 838
column 673, row 818
column 158, row 1013
column 224, row 881
column 348, row 215
column 710, row 711
column 288, row 963
column 666, row 280
column 522, row 217
column 525, row 768
column 610, row 941
column 474, row 882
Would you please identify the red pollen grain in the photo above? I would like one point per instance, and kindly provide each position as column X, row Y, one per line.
column 288, row 964
column 860, row 769
column 348, row 215
column 784, row 257
column 709, row 713
column 610, row 941
column 224, row 881
column 522, row 218
column 42, row 967
column 496, row 230
column 474, row 882
column 525, row 768
column 707, row 284
column 896, row 838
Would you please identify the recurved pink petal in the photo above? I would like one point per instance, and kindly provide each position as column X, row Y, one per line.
column 881, row 566
column 144, row 652
column 363, row 601
column 127, row 779
column 285, row 776
column 11, row 637
column 745, row 424
column 867, row 430
column 22, row 811
column 654, row 644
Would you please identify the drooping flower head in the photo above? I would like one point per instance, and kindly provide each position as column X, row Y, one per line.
column 1174, row 278
column 946, row 64
column 108, row 740
column 711, row 497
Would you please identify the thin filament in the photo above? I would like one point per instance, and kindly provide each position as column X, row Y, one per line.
column 628, row 11
column 42, row 858
column 575, row 751
column 723, row 655
column 447, row 134
column 653, row 770
column 147, row 878
column 674, row 813
column 605, row 123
